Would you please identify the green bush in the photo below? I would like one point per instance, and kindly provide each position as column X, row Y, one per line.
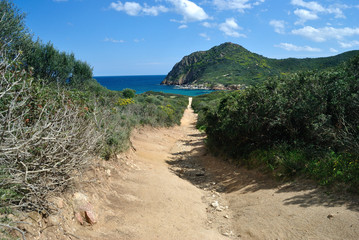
column 129, row 93
column 117, row 120
column 308, row 112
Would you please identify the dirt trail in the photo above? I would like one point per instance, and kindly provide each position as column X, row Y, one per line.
column 169, row 187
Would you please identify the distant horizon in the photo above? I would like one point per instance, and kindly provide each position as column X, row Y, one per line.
column 133, row 75
column 149, row 37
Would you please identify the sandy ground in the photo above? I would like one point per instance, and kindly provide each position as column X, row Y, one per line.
column 169, row 187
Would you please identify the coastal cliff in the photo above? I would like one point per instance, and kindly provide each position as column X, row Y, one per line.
column 231, row 66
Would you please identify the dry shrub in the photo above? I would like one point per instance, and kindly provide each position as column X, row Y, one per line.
column 46, row 135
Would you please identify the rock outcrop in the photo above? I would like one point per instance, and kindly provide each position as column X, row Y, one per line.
column 231, row 64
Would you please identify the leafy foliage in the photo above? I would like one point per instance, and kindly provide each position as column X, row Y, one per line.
column 121, row 116
column 129, row 93
column 54, row 116
column 292, row 122
column 230, row 64
column 13, row 32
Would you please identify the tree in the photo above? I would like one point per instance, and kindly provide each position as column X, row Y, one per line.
column 13, row 31
column 128, row 93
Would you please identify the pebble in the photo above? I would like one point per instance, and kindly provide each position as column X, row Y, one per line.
column 227, row 234
column 215, row 204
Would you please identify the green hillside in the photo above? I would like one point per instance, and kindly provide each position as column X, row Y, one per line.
column 230, row 63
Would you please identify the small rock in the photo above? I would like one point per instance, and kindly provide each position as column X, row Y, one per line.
column 80, row 198
column 79, row 218
column 83, row 209
column 215, row 204
column 108, row 172
column 90, row 217
column 226, row 216
column 225, row 234
column 220, row 208
column 53, row 220
column 330, row 216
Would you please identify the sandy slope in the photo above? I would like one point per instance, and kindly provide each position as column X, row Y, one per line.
column 169, row 187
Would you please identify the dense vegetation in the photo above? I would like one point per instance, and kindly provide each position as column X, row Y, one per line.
column 303, row 123
column 54, row 117
column 231, row 64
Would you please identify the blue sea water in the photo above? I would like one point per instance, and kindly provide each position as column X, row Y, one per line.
column 145, row 83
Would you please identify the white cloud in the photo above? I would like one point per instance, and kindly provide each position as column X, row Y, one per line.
column 136, row 40
column 182, row 26
column 154, row 10
column 205, row 36
column 207, row 24
column 349, row 44
column 333, row 50
column 229, row 28
column 292, row 47
column 314, row 6
column 135, row 9
column 113, row 40
column 323, row 34
column 189, row 10
column 258, row 2
column 337, row 11
column 279, row 26
column 238, row 5
column 304, row 15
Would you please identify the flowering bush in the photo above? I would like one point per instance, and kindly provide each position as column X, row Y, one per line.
column 125, row 101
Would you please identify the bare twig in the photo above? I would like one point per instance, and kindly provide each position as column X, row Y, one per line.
column 14, row 228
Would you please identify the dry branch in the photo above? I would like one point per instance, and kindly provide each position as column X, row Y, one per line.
column 41, row 145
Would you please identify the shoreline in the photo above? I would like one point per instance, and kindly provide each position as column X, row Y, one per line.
column 205, row 87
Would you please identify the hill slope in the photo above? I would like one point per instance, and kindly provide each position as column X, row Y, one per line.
column 230, row 63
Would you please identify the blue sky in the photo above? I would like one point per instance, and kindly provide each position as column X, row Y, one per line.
column 148, row 37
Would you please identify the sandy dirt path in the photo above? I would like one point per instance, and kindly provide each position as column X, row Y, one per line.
column 170, row 187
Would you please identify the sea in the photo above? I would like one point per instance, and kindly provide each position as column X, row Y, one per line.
column 144, row 83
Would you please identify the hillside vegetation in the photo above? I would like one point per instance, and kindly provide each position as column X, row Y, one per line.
column 231, row 64
column 54, row 117
column 303, row 123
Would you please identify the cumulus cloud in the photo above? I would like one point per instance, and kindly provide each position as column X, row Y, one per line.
column 135, row 9
column 337, row 10
column 258, row 2
column 333, row 50
column 292, row 47
column 279, row 26
column 315, row 7
column 189, row 10
column 230, row 27
column 304, row 15
column 205, row 36
column 113, row 40
column 349, row 44
column 323, row 34
column 237, row 5
column 183, row 26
